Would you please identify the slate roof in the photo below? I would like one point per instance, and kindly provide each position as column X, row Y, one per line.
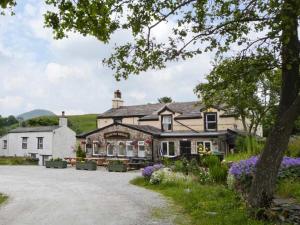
column 149, row 111
column 34, row 129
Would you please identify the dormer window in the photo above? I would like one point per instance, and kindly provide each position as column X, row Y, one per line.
column 166, row 122
column 210, row 121
column 118, row 120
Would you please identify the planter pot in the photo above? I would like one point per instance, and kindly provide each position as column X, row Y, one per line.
column 117, row 167
column 90, row 165
column 56, row 164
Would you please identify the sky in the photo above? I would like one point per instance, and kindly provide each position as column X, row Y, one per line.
column 38, row 72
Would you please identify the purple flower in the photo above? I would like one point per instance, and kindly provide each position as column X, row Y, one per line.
column 147, row 171
column 247, row 167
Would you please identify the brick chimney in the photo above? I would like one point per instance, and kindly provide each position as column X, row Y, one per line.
column 63, row 120
column 117, row 101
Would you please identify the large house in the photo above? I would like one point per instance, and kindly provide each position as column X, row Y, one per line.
column 40, row 142
column 153, row 130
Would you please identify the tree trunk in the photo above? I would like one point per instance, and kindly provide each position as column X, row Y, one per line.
column 264, row 182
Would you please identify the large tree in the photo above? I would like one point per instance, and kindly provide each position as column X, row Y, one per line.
column 165, row 100
column 249, row 87
column 256, row 27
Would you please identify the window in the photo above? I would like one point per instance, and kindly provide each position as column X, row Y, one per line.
column 211, row 121
column 40, row 143
column 4, row 144
column 168, row 148
column 166, row 122
column 204, row 145
column 110, row 149
column 129, row 148
column 24, row 142
column 122, row 149
column 33, row 155
column 141, row 149
column 98, row 149
column 118, row 120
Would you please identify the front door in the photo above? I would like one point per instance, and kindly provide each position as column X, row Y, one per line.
column 185, row 148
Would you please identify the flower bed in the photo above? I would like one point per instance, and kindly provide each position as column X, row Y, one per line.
column 88, row 165
column 241, row 173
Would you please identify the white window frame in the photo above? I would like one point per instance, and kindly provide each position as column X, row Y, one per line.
column 119, row 148
column 129, row 143
column 25, row 142
column 210, row 143
column 141, row 143
column 170, row 123
column 108, row 144
column 168, row 149
column 94, row 142
column 207, row 122
column 4, row 144
column 40, row 145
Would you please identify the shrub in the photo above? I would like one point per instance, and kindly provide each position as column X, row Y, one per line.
column 178, row 166
column 210, row 161
column 80, row 153
column 157, row 177
column 170, row 177
column 147, row 171
column 294, row 147
column 203, row 176
column 218, row 173
column 193, row 167
column 249, row 144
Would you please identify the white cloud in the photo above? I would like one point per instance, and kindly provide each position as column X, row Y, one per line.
column 68, row 74
column 11, row 102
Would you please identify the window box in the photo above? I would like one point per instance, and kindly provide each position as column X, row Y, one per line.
column 116, row 166
column 56, row 164
column 88, row 165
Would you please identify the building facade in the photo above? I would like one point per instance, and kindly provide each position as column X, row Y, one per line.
column 40, row 142
column 151, row 131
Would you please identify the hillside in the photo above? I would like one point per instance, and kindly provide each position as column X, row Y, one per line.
column 78, row 123
column 35, row 113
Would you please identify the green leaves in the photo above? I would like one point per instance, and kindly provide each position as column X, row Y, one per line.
column 247, row 86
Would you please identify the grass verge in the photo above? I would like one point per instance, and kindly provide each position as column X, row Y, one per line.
column 17, row 161
column 3, row 198
column 204, row 204
column 289, row 188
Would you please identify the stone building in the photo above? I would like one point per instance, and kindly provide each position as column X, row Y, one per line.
column 154, row 130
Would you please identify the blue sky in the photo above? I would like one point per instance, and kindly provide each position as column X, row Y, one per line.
column 39, row 72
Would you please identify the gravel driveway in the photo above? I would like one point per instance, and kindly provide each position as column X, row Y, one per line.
column 40, row 196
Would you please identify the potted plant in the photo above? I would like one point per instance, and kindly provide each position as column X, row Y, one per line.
column 86, row 165
column 57, row 163
column 116, row 166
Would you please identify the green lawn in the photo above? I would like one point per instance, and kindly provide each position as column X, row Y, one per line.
column 83, row 123
column 3, row 198
column 289, row 189
column 204, row 204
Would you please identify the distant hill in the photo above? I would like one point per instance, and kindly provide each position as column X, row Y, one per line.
column 35, row 113
column 78, row 123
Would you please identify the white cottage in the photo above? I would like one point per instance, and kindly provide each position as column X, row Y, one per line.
column 40, row 142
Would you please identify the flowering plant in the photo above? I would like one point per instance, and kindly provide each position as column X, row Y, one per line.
column 203, row 150
column 147, row 171
column 247, row 167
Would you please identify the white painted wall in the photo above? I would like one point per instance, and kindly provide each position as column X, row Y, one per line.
column 64, row 143
column 59, row 143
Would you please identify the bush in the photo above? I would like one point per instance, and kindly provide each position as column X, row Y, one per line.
column 203, row 176
column 210, row 161
column 294, row 147
column 80, row 153
column 249, row 144
column 178, row 166
column 218, row 173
